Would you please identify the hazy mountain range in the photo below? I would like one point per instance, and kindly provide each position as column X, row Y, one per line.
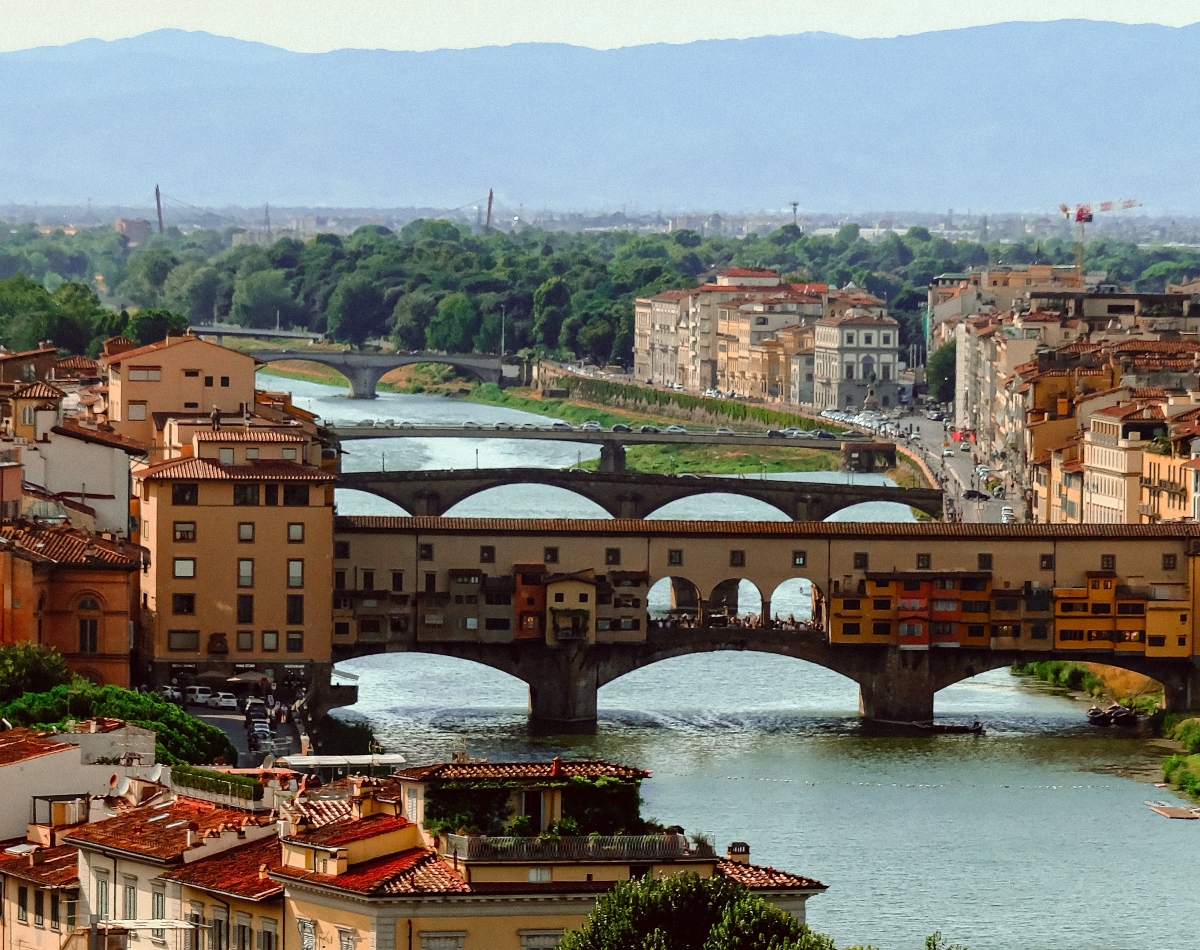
column 1006, row 117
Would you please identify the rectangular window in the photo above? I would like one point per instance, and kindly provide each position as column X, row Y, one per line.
column 339, row 580
column 295, row 573
column 270, row 641
column 245, row 493
column 1101, row 608
column 945, row 606
column 737, row 558
column 941, row 628
column 1039, row 631
column 39, row 907
column 910, row 630
column 1046, row 562
column 55, row 923
column 1131, row 610
column 487, row 554
column 242, row 933
column 862, row 560
column 882, row 603
column 245, row 608
column 208, row 381
column 295, row 608
column 295, row 532
column 288, row 455
column 88, row 634
column 183, row 640
column 245, row 572
column 23, row 901
column 129, row 900
column 341, row 551
column 185, row 531
column 675, row 557
column 158, row 910
column 342, row 628
column 984, row 562
column 185, row 493
column 1169, row 561
column 225, row 456
column 424, row 552
column 245, row 532
column 1108, row 562
column 851, row 604
column 183, row 604
column 271, row 494
column 251, row 453
column 225, row 381
column 881, row 628
column 799, row 558
column 295, row 641
column 976, row 630
column 612, row 557
column 368, row 580
column 185, row 567
column 295, row 496
column 924, row 562
column 1152, row 641
column 444, row 940
column 397, row 582
column 137, row 412
column 550, row 555
column 245, row 640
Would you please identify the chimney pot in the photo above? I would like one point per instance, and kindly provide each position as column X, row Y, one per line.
column 738, row 851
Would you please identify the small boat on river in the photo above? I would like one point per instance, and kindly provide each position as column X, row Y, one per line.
column 1099, row 717
column 1121, row 715
column 1167, row 810
column 938, row 728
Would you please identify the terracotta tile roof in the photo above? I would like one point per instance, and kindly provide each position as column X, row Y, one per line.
column 25, row 354
column 159, row 832
column 250, row 435
column 1073, row 466
column 748, row 272
column 416, row 871
column 759, row 878
column 322, row 811
column 208, row 470
column 672, row 295
column 346, row 830
column 1148, row 392
column 1155, row 346
column 1079, row 346
column 1153, row 411
column 56, row 867
column 556, row 768
column 38, row 391
column 62, row 544
column 632, row 527
column 121, row 356
column 20, row 745
column 237, row 871
column 99, row 436
column 859, row 320
column 77, row 364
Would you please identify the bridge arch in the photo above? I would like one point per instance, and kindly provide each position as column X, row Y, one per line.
column 736, row 598
column 719, row 506
column 674, row 599
column 513, row 500
column 876, row 511
column 322, row 364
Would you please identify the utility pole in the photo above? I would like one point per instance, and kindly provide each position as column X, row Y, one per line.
column 158, row 204
column 488, row 223
column 268, row 216
column 502, row 316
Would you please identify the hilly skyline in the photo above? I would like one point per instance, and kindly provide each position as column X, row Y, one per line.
column 1017, row 116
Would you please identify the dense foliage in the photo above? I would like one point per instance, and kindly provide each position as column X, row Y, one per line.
column 942, row 372
column 436, row 284
column 180, row 736
column 686, row 912
column 30, row 668
column 221, row 783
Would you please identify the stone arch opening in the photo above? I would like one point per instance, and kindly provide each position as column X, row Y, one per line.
column 798, row 603
column 674, row 601
column 736, row 602
column 352, row 501
column 719, row 506
column 460, row 368
column 406, row 684
column 301, row 366
column 881, row 511
column 516, row 501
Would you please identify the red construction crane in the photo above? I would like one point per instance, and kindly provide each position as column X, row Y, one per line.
column 1082, row 213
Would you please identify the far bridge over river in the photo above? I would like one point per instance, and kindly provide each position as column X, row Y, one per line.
column 364, row 370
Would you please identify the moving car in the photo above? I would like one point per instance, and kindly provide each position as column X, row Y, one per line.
column 965, row 447
column 170, row 693
column 504, row 426
column 947, row 453
column 650, row 430
column 591, row 426
column 197, row 695
column 563, row 426
column 823, row 434
column 222, row 701
column 621, row 427
column 470, row 425
column 775, row 434
column 677, row 430
column 1007, row 515
column 724, row 430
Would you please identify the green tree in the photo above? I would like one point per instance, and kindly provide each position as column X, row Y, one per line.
column 191, row 289
column 150, row 326
column 30, row 668
column 357, row 310
column 686, row 912
column 263, row 299
column 942, row 372
column 147, row 275
column 551, row 306
column 453, row 325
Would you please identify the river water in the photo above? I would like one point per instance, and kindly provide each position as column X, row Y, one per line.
column 1033, row 837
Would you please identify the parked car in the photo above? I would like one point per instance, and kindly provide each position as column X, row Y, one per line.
column 470, row 425
column 170, row 693
column 222, row 701
column 947, row 453
column 965, row 447
column 1007, row 515
column 197, row 695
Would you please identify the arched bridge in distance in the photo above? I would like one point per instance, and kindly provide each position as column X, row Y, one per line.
column 626, row 494
column 365, row 370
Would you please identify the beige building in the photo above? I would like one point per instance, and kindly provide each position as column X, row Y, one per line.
column 856, row 357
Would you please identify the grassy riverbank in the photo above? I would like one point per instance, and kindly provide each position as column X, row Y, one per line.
column 1130, row 689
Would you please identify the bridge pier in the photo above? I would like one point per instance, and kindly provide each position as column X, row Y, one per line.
column 612, row 457
column 363, row 380
column 1181, row 689
column 898, row 687
column 562, row 692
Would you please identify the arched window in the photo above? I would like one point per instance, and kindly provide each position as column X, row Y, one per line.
column 88, row 612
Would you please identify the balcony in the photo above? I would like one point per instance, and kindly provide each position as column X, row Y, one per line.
column 665, row 847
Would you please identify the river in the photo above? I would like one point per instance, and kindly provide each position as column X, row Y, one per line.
column 1033, row 837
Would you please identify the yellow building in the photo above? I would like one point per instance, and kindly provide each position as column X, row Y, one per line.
column 240, row 534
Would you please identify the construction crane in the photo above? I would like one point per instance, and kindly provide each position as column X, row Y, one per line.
column 1083, row 213
column 488, row 224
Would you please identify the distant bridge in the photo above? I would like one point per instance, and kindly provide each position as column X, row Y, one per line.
column 364, row 370
column 626, row 494
column 222, row 330
column 860, row 453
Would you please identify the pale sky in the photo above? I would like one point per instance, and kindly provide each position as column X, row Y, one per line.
column 319, row 25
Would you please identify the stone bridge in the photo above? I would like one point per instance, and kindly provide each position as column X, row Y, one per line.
column 625, row 494
column 364, row 370
column 894, row 685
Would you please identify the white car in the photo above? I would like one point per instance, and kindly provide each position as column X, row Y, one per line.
column 677, row 430
column 170, row 693
column 197, row 695
column 222, row 701
column 947, row 453
column 1007, row 515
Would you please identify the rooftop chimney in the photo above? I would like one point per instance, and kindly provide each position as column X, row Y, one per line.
column 738, row 851
column 193, row 834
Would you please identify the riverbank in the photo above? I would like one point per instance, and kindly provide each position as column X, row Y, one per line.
column 1096, row 681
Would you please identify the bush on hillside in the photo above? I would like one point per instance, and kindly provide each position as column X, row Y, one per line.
column 30, row 668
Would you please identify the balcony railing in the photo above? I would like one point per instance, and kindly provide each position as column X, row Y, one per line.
column 666, row 847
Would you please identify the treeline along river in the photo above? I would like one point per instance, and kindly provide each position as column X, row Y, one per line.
column 1033, row 837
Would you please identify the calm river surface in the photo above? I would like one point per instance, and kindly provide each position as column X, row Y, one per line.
column 1031, row 838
